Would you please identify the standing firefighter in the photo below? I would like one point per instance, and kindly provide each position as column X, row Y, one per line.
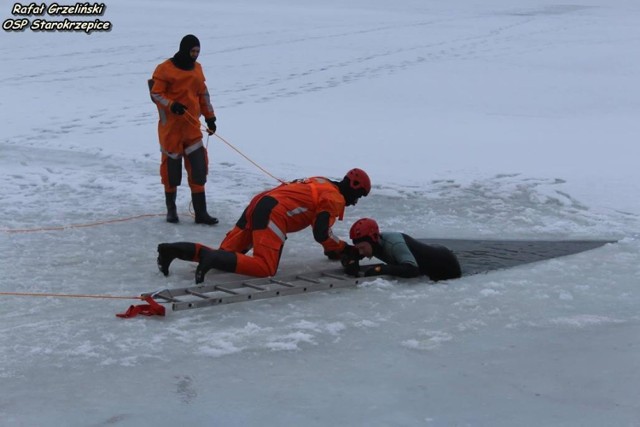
column 264, row 224
column 178, row 89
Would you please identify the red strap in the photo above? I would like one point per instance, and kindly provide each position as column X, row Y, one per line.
column 151, row 309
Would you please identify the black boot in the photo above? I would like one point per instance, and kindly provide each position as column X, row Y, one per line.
column 200, row 207
column 172, row 211
column 167, row 252
column 222, row 260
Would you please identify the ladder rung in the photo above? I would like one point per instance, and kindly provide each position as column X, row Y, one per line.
column 198, row 294
column 251, row 285
column 223, row 289
column 307, row 279
column 280, row 282
column 165, row 297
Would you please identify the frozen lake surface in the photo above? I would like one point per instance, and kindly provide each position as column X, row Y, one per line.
column 474, row 120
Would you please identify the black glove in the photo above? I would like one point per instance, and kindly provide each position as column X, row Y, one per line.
column 351, row 266
column 177, row 108
column 351, row 251
column 211, row 124
column 348, row 250
column 332, row 255
column 346, row 260
column 378, row 270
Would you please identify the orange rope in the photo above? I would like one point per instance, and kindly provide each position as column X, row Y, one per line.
column 254, row 163
column 66, row 227
column 193, row 120
column 31, row 294
column 205, row 129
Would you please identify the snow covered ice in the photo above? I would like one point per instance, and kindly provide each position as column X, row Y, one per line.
column 491, row 119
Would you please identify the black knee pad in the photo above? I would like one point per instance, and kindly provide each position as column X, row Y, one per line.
column 242, row 221
column 262, row 211
column 174, row 171
column 199, row 166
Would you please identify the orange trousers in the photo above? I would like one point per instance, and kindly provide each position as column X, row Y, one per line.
column 267, row 243
column 171, row 170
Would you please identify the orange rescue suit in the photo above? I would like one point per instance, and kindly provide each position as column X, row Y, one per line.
column 179, row 134
column 298, row 206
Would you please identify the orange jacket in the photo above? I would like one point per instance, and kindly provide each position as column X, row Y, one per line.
column 300, row 202
column 171, row 84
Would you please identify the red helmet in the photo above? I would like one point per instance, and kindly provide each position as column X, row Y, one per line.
column 365, row 229
column 359, row 180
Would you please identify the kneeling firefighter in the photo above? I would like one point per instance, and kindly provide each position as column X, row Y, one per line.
column 264, row 224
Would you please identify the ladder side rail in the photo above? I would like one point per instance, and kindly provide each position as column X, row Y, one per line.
column 333, row 275
column 176, row 292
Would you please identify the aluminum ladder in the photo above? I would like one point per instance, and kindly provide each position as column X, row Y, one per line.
column 251, row 289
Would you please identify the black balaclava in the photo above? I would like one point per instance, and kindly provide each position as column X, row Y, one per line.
column 350, row 194
column 182, row 59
